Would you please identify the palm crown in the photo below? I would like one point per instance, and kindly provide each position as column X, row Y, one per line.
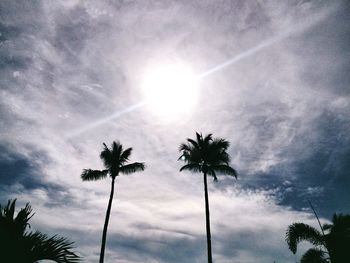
column 19, row 245
column 332, row 243
column 206, row 155
column 114, row 160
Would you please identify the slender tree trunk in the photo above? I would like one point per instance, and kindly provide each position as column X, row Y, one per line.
column 104, row 234
column 207, row 218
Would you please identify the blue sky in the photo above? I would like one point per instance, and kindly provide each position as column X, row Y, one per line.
column 282, row 101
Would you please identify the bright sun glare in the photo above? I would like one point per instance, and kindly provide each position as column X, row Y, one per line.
column 170, row 90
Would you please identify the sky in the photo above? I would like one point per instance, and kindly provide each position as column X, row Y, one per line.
column 273, row 79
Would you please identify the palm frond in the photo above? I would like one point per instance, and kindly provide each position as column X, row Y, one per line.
column 192, row 156
column 185, row 147
column 125, row 155
column 17, row 245
column 199, row 137
column 203, row 142
column 217, row 155
column 22, row 218
column 327, row 226
column 106, row 156
column 93, row 175
column 340, row 226
column 298, row 232
column 313, row 255
column 17, row 225
column 207, row 139
column 206, row 154
column 219, row 144
column 193, row 167
column 117, row 150
column 132, row 168
column 9, row 210
column 341, row 221
column 193, row 142
column 54, row 248
column 212, row 173
column 224, row 169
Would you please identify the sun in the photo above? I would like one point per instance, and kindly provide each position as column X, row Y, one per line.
column 170, row 90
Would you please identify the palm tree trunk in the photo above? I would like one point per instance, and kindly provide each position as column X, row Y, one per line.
column 207, row 218
column 104, row 234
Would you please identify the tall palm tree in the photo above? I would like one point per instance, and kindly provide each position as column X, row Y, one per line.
column 115, row 160
column 332, row 243
column 208, row 156
column 19, row 245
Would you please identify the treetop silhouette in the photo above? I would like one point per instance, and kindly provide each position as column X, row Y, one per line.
column 17, row 244
column 332, row 241
column 208, row 156
column 115, row 160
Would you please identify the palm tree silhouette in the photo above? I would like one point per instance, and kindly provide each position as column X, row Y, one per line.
column 208, row 156
column 19, row 245
column 115, row 161
column 332, row 243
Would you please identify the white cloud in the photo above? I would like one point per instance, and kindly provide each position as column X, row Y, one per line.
column 85, row 60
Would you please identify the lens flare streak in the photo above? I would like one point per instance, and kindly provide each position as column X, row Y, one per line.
column 104, row 120
column 297, row 29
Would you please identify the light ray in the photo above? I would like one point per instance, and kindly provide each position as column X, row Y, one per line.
column 104, row 120
column 297, row 29
column 241, row 56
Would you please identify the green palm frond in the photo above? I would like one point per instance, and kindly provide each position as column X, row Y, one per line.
column 298, row 232
column 193, row 155
column 216, row 152
column 132, row 168
column 224, row 169
column 212, row 173
column 314, row 255
column 22, row 218
column 193, row 143
column 193, row 167
column 114, row 159
column 106, row 156
column 327, row 226
column 199, row 138
column 219, row 144
column 124, row 157
column 9, row 210
column 53, row 248
column 117, row 150
column 93, row 175
column 185, row 147
column 340, row 223
column 208, row 154
column 17, row 245
column 16, row 224
column 335, row 241
column 207, row 139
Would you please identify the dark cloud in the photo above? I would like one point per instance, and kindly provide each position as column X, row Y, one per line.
column 15, row 169
column 324, row 52
column 284, row 108
column 22, row 175
column 316, row 170
column 158, row 247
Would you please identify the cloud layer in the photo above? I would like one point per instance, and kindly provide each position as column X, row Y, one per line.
column 67, row 67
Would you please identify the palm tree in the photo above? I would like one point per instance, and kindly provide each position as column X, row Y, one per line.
column 19, row 245
column 115, row 161
column 332, row 243
column 208, row 156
